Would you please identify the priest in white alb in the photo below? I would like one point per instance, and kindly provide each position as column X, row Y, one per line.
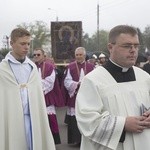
column 112, row 104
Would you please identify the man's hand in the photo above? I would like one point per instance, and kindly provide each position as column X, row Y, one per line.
column 135, row 124
column 147, row 119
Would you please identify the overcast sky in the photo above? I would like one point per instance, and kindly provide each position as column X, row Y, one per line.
column 111, row 13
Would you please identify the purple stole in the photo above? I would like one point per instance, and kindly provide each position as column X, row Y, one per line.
column 75, row 69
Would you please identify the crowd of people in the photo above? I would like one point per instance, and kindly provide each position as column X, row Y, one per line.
column 107, row 100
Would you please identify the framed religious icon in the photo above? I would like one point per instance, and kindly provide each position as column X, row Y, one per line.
column 65, row 38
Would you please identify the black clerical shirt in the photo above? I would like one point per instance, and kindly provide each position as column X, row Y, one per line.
column 118, row 74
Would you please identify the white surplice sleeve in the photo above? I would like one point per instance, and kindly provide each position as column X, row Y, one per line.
column 98, row 127
column 69, row 84
column 48, row 82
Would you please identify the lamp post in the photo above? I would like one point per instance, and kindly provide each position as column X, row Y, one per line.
column 50, row 9
column 55, row 12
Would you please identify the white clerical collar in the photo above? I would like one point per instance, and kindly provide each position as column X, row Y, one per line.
column 124, row 69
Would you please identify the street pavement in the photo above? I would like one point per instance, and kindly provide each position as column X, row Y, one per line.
column 63, row 131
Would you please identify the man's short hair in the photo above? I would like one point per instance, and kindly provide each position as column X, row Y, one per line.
column 117, row 30
column 43, row 52
column 81, row 48
column 19, row 32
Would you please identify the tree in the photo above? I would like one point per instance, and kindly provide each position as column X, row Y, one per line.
column 40, row 34
column 87, row 42
column 141, row 39
column 3, row 52
column 103, row 40
column 90, row 43
column 147, row 37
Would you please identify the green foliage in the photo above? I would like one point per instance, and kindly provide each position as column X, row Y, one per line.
column 141, row 39
column 40, row 34
column 88, row 42
column 4, row 52
column 147, row 37
column 91, row 43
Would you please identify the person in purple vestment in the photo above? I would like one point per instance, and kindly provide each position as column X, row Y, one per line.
column 74, row 73
column 51, row 90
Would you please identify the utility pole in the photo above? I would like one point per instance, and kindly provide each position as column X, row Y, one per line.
column 6, row 41
column 98, row 42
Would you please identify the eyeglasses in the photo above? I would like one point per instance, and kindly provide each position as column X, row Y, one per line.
column 36, row 55
column 129, row 46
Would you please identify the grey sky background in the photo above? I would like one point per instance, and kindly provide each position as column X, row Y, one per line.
column 111, row 13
